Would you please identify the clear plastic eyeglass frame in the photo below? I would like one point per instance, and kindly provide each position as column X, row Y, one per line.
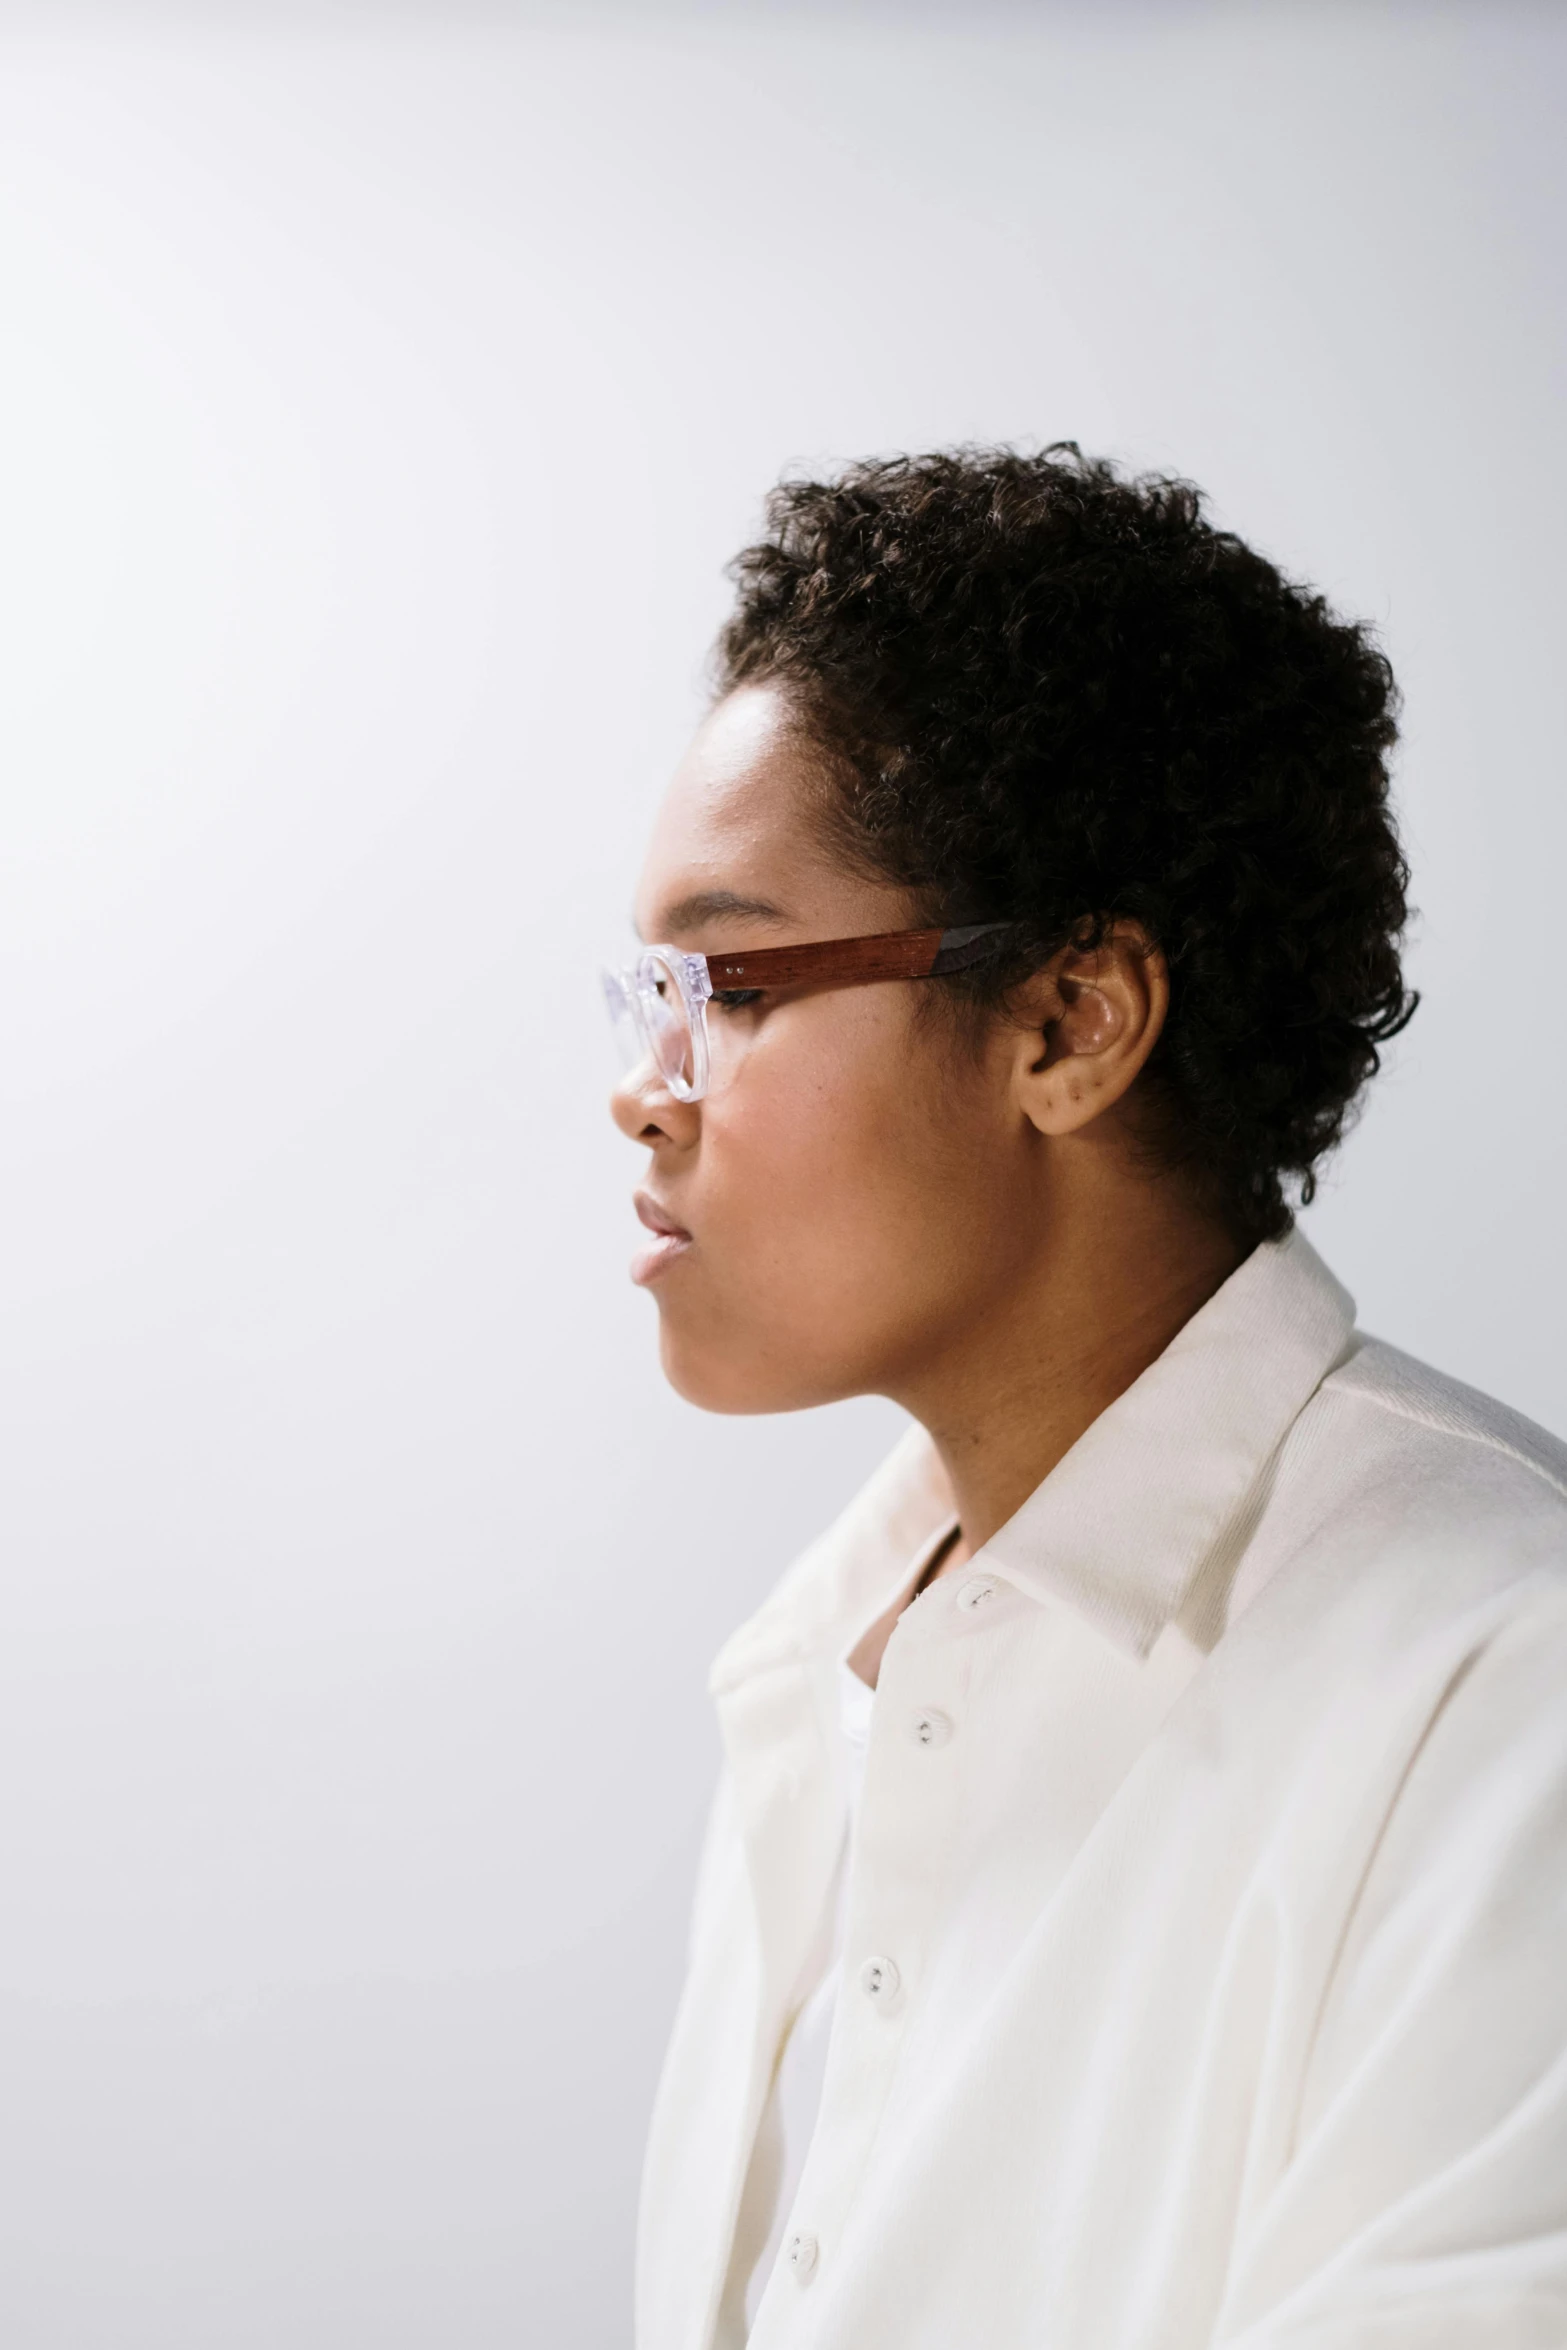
column 658, row 1004
column 658, row 1007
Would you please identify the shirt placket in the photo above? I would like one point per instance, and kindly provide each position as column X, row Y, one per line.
column 911, row 1814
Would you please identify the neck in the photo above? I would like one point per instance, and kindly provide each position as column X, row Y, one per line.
column 1055, row 1348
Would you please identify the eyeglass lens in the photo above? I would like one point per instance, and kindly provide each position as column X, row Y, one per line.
column 651, row 1018
column 668, row 1019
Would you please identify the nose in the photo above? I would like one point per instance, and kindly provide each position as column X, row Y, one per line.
column 645, row 1110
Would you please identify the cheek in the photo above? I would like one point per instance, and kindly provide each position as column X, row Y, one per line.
column 845, row 1206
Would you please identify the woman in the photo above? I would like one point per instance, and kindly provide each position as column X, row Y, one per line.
column 1133, row 1910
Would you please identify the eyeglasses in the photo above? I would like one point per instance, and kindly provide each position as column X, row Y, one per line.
column 658, row 1004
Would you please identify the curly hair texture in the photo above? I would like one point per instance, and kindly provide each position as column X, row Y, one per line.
column 1056, row 696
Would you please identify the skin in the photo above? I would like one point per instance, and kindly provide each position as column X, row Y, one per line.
column 868, row 1201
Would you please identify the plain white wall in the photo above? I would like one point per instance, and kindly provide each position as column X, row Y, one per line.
column 381, row 398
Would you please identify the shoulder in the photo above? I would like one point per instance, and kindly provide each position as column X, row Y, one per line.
column 1432, row 1441
column 1462, row 1575
column 1442, row 1419
column 1407, row 1501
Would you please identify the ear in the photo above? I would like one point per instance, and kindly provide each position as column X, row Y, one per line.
column 1088, row 1022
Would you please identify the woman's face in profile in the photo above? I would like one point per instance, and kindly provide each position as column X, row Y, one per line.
column 844, row 1200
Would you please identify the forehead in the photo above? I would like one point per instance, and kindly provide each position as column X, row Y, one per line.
column 739, row 820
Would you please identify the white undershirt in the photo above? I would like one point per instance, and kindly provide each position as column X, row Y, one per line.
column 784, row 2136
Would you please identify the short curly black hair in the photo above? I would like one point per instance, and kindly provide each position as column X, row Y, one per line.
column 1055, row 695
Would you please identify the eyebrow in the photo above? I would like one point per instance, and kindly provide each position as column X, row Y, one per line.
column 717, row 905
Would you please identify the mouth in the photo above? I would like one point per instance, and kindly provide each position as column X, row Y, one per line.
column 670, row 1240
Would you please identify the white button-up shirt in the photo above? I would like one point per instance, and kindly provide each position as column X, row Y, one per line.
column 1205, row 1965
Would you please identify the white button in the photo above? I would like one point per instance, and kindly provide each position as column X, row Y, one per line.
column 801, row 2253
column 879, row 1980
column 976, row 1591
column 932, row 1727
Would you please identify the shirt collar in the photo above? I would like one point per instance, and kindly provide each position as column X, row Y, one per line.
column 1122, row 1525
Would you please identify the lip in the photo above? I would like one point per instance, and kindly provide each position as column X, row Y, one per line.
column 670, row 1240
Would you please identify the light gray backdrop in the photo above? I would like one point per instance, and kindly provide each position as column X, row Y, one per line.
column 381, row 397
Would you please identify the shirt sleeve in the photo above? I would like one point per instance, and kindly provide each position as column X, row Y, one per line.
column 1424, row 2204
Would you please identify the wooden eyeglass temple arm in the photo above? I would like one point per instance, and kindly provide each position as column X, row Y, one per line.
column 851, row 962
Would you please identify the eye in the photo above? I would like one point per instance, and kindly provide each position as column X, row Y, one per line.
column 735, row 999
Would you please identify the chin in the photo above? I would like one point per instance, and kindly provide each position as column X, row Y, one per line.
column 741, row 1378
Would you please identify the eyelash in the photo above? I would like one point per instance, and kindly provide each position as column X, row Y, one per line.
column 734, row 999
